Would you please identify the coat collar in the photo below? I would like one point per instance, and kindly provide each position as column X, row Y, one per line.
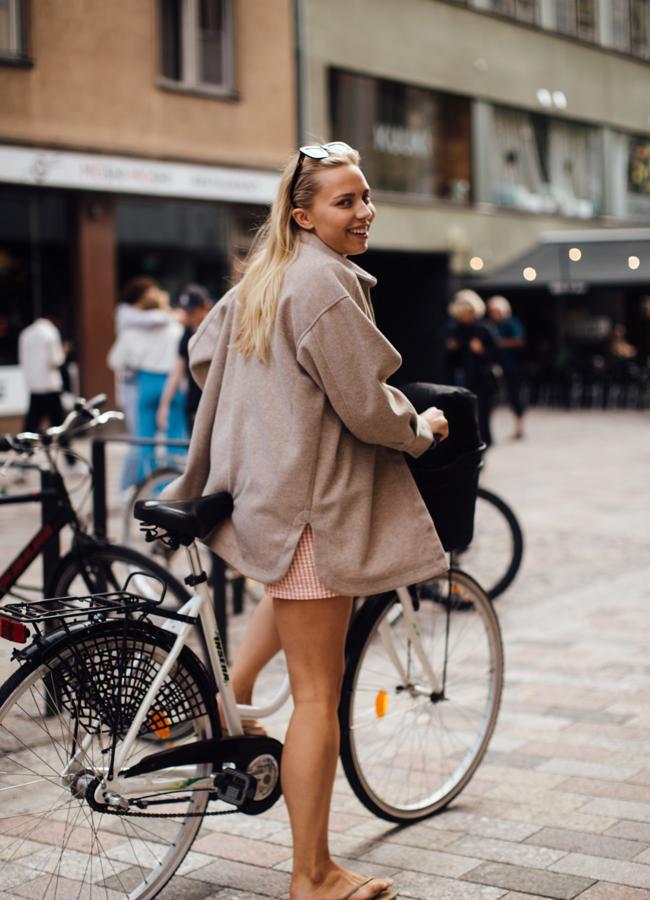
column 314, row 243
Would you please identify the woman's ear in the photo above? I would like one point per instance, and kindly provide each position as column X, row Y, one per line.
column 301, row 217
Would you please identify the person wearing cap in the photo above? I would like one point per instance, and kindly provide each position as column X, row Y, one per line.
column 196, row 303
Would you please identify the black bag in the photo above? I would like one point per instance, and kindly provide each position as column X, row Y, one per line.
column 447, row 475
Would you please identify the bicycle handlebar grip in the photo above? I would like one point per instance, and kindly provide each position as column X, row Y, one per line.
column 5, row 443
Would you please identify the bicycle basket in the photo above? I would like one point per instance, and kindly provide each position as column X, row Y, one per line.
column 447, row 476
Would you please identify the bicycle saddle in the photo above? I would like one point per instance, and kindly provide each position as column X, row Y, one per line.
column 185, row 519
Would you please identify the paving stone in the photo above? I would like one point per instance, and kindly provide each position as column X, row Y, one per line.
column 487, row 825
column 516, row 760
column 634, row 831
column 605, row 891
column 431, row 861
column 587, row 770
column 629, row 873
column 538, row 816
column 614, row 789
column 239, row 849
column 583, row 842
column 516, row 895
column 529, row 881
column 619, row 809
column 420, row 835
column 425, row 887
column 240, row 876
column 506, row 852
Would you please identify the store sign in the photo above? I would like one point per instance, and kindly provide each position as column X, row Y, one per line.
column 13, row 391
column 120, row 174
column 402, row 141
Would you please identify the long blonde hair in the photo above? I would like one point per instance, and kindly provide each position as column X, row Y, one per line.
column 275, row 247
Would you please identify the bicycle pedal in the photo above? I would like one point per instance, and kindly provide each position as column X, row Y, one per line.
column 234, row 787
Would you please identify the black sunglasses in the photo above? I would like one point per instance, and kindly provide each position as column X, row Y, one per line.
column 315, row 151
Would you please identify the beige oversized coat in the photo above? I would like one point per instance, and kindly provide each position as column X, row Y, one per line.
column 313, row 436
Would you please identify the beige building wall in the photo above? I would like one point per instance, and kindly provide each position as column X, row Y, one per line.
column 445, row 47
column 94, row 86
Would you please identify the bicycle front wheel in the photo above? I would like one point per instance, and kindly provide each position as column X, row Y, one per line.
column 409, row 746
column 62, row 715
column 494, row 556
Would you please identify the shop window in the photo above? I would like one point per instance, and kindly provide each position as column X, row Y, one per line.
column 638, row 176
column 35, row 262
column 197, row 44
column 13, row 30
column 412, row 141
column 576, row 17
column 545, row 165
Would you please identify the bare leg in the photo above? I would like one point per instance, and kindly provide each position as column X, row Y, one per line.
column 258, row 646
column 312, row 633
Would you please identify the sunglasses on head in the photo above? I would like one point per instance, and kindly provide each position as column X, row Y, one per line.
column 315, row 151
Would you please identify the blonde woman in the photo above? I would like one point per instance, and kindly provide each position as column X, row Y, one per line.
column 297, row 422
column 471, row 353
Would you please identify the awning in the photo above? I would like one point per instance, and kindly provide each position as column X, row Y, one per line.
column 569, row 262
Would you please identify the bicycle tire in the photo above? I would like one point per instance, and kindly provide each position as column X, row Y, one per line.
column 63, row 694
column 406, row 754
column 494, row 567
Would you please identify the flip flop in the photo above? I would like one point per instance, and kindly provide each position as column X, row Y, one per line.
column 388, row 893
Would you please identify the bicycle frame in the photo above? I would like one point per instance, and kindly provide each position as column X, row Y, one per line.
column 199, row 610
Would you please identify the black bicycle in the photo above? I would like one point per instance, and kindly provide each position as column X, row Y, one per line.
column 495, row 554
column 91, row 565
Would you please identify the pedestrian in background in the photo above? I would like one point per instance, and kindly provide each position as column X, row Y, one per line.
column 41, row 357
column 471, row 352
column 195, row 303
column 297, row 421
column 512, row 340
column 143, row 355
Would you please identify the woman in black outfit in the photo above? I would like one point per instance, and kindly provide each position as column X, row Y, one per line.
column 471, row 352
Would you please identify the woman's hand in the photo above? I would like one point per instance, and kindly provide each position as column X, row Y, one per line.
column 436, row 421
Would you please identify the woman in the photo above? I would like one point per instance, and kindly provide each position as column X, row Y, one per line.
column 512, row 340
column 143, row 356
column 471, row 352
column 297, row 422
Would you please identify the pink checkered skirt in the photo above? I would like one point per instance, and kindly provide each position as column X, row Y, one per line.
column 301, row 581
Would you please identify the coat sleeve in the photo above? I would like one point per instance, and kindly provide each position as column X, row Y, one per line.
column 350, row 360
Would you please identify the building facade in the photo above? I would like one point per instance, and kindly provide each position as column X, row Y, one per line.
column 136, row 138
column 483, row 125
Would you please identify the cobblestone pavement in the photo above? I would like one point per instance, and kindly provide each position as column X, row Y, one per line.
column 560, row 807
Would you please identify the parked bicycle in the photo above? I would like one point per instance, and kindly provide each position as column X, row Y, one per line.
column 90, row 565
column 87, row 799
column 496, row 551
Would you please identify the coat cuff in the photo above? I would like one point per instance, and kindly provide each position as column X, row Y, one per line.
column 422, row 439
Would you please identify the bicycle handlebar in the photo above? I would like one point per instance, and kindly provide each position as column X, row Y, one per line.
column 85, row 415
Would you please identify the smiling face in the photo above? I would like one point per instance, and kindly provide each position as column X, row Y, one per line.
column 341, row 212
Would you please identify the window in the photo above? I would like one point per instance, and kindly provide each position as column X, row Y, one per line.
column 546, row 165
column 13, row 36
column 631, row 26
column 576, row 17
column 524, row 10
column 197, row 44
column 412, row 140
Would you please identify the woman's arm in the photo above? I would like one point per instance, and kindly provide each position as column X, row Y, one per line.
column 350, row 360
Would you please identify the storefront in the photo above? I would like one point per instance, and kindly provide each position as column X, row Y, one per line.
column 74, row 227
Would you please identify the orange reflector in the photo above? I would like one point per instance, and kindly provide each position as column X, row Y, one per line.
column 13, row 631
column 381, row 704
column 160, row 725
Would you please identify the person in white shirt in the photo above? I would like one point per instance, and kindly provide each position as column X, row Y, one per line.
column 40, row 356
column 143, row 355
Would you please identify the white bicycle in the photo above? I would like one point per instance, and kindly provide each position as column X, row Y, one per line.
column 111, row 748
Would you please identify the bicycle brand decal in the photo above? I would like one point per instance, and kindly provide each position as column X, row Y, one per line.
column 222, row 657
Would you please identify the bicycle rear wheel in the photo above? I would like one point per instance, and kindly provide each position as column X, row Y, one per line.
column 406, row 750
column 76, row 698
column 494, row 556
